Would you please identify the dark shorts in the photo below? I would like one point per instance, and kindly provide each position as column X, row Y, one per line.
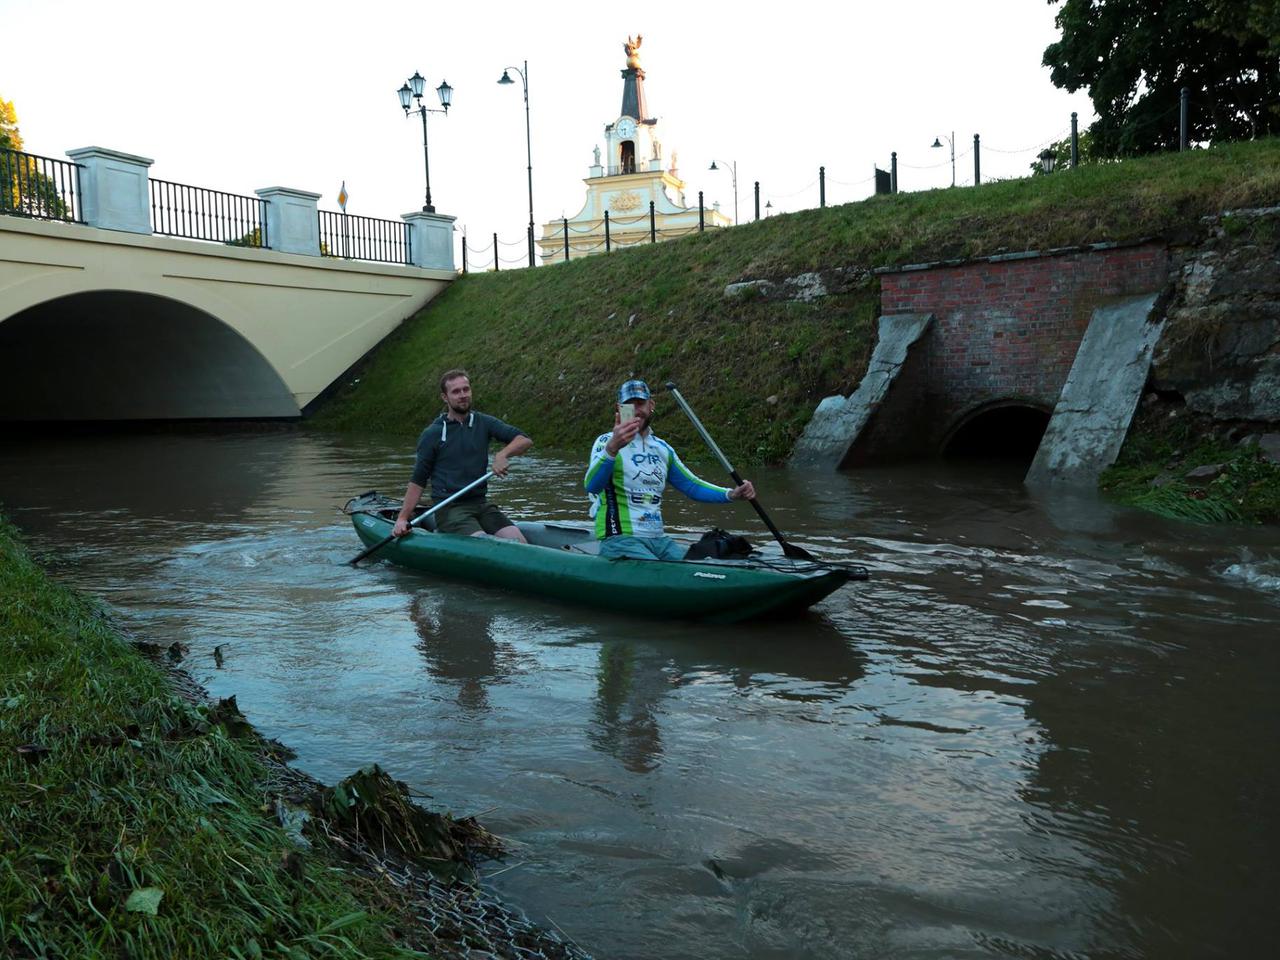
column 471, row 516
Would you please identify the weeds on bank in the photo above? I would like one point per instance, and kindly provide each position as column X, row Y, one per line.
column 133, row 822
column 1151, row 473
column 548, row 347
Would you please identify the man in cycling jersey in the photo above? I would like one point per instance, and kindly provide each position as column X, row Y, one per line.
column 628, row 470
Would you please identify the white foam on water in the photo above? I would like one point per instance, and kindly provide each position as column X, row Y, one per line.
column 1262, row 575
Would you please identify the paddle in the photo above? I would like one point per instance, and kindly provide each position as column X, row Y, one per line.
column 422, row 516
column 788, row 549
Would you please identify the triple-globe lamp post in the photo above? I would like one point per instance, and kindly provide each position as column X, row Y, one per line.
column 412, row 90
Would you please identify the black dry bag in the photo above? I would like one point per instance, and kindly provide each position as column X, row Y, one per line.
column 717, row 544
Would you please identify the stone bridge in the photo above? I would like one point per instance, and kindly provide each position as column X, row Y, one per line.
column 103, row 320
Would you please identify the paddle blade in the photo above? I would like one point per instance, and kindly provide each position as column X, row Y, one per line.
column 374, row 549
column 797, row 553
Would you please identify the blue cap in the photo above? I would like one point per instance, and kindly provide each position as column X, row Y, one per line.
column 633, row 390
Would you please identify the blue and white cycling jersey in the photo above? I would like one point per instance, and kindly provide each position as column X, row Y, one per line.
column 626, row 491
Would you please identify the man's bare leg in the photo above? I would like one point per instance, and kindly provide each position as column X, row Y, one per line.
column 506, row 533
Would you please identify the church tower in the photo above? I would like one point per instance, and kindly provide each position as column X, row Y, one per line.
column 643, row 201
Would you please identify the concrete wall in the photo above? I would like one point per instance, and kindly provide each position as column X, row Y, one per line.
column 106, row 324
column 1006, row 330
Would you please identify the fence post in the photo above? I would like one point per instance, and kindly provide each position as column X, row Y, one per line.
column 1075, row 142
column 757, row 199
column 822, row 186
column 702, row 222
column 607, row 245
column 653, row 224
column 464, row 254
column 531, row 245
column 977, row 165
column 495, row 253
column 893, row 172
column 1182, row 120
column 566, row 239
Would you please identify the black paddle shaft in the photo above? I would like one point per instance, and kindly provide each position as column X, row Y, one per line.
column 788, row 549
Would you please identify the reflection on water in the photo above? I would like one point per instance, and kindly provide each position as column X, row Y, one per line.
column 1045, row 728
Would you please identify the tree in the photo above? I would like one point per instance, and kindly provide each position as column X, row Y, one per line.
column 24, row 189
column 1134, row 56
column 10, row 139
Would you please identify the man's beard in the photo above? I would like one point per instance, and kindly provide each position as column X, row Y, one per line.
column 459, row 411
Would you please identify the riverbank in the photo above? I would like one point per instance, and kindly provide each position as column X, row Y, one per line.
column 546, row 348
column 1182, row 465
column 143, row 822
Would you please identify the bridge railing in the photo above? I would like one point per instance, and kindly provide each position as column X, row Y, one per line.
column 364, row 238
column 198, row 213
column 39, row 187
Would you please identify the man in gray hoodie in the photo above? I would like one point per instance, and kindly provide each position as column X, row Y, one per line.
column 454, row 451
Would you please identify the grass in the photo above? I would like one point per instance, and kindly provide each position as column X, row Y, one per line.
column 1164, row 444
column 134, row 823
column 547, row 347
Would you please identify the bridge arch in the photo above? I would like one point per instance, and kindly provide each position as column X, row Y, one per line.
column 120, row 354
column 1005, row 429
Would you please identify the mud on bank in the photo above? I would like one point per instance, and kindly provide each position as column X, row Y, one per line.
column 144, row 821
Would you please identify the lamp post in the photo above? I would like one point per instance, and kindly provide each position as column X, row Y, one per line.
column 733, row 170
column 412, row 89
column 528, row 140
column 951, row 140
column 1047, row 160
column 768, row 208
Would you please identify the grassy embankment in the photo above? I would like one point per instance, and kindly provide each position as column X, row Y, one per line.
column 546, row 348
column 133, row 821
column 1164, row 445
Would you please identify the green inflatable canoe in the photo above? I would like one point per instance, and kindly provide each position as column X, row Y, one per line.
column 560, row 563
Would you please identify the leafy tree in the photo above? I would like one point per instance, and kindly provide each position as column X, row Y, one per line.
column 10, row 139
column 1134, row 56
column 251, row 239
column 24, row 190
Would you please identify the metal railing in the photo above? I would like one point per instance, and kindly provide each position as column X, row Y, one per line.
column 364, row 238
column 39, row 187
column 198, row 213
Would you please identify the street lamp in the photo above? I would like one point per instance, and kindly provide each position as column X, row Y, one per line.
column 528, row 140
column 768, row 208
column 951, row 140
column 733, row 169
column 1047, row 160
column 413, row 89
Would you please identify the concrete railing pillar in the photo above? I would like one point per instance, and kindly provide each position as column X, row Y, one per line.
column 431, row 239
column 293, row 224
column 113, row 189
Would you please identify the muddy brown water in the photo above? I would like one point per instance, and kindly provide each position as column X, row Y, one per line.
column 1047, row 727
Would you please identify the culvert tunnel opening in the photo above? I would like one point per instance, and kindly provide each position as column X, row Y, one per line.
column 1008, row 433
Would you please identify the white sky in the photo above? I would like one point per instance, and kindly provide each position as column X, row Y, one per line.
column 236, row 95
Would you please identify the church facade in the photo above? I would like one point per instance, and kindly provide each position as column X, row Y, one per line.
column 631, row 179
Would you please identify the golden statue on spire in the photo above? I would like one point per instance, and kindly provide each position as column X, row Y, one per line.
column 633, row 51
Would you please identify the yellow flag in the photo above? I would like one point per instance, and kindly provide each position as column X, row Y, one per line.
column 342, row 197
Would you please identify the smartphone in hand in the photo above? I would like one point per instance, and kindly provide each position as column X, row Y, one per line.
column 626, row 411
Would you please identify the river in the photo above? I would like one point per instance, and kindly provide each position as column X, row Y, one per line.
column 1046, row 727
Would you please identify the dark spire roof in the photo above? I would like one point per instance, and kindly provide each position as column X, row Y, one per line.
column 633, row 103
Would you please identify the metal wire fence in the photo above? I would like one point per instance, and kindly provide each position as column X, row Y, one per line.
column 831, row 186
